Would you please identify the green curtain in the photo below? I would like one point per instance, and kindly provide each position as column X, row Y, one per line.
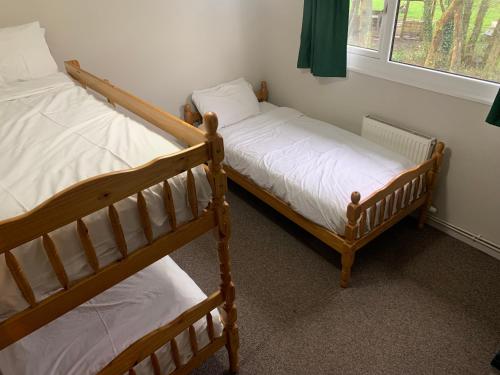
column 323, row 42
column 494, row 115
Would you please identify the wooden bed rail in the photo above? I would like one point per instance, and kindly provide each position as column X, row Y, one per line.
column 73, row 204
column 150, row 343
column 94, row 194
column 143, row 109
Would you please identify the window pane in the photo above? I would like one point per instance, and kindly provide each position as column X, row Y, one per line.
column 457, row 36
column 365, row 20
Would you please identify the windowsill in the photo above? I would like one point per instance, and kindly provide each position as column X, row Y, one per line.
column 444, row 83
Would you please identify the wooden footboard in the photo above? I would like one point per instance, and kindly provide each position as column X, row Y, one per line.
column 368, row 218
column 72, row 205
column 410, row 190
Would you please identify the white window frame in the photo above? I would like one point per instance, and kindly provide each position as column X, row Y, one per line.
column 378, row 64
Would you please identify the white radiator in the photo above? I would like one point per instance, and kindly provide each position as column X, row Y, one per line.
column 415, row 147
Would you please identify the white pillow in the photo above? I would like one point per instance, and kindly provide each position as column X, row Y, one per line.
column 24, row 53
column 232, row 102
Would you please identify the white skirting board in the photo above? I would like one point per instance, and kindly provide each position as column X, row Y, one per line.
column 463, row 235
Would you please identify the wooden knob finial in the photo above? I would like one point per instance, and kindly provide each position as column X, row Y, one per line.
column 440, row 147
column 355, row 197
column 211, row 123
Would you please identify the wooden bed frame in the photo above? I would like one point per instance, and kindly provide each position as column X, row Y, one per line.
column 86, row 197
column 409, row 191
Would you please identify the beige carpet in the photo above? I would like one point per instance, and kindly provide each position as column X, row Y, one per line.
column 420, row 301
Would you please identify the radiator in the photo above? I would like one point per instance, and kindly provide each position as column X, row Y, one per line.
column 408, row 143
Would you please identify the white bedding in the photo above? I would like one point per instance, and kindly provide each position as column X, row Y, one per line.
column 312, row 165
column 52, row 135
column 87, row 338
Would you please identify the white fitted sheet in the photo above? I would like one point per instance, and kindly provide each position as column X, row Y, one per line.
column 87, row 338
column 54, row 134
column 311, row 165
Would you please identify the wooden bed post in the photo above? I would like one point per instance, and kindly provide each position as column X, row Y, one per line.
column 222, row 234
column 431, row 179
column 351, row 230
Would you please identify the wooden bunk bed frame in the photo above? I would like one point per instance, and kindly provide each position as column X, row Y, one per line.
column 91, row 195
column 419, row 182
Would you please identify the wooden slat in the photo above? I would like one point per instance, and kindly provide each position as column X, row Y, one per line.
column 407, row 193
column 411, row 191
column 174, row 351
column 156, row 364
column 55, row 261
column 399, row 199
column 373, row 212
column 144, row 216
column 95, row 193
column 362, row 224
column 154, row 115
column 419, row 188
column 114, row 218
column 168, row 201
column 27, row 321
column 193, row 341
column 390, row 205
column 20, row 279
column 210, row 327
column 131, row 372
column 191, row 191
column 139, row 350
column 381, row 214
column 83, row 234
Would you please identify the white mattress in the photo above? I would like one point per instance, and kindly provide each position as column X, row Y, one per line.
column 312, row 165
column 52, row 135
column 87, row 338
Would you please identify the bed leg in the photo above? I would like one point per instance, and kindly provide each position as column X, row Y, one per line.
column 422, row 217
column 347, row 261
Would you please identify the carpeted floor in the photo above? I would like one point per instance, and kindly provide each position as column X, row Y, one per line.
column 420, row 302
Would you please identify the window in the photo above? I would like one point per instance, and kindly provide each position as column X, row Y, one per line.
column 449, row 46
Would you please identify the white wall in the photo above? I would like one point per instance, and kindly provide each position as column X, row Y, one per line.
column 159, row 49
column 468, row 195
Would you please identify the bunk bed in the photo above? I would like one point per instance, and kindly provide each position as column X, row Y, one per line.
column 58, row 271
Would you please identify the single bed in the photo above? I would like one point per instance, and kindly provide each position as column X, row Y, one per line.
column 315, row 173
column 92, row 204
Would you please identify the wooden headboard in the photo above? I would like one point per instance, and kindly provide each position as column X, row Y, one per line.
column 192, row 116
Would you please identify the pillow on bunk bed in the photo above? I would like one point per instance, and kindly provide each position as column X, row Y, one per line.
column 24, row 53
column 232, row 102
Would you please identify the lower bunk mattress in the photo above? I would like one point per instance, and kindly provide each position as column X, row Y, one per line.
column 311, row 165
column 87, row 338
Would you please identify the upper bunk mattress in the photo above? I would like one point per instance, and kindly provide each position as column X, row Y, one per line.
column 54, row 134
column 311, row 165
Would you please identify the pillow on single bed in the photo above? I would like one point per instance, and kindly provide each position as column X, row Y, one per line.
column 232, row 102
column 24, row 53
